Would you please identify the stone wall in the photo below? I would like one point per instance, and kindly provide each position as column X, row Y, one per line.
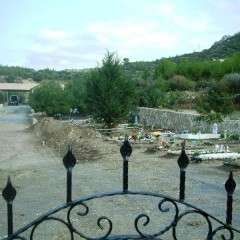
column 180, row 121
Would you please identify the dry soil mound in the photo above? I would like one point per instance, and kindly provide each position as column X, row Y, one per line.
column 85, row 142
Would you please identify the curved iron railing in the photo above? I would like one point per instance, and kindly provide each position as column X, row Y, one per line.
column 177, row 207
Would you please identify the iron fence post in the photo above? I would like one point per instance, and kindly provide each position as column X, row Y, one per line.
column 230, row 186
column 125, row 151
column 10, row 218
column 125, row 175
column 9, row 194
column 69, row 162
column 182, row 184
column 183, row 162
column 69, row 185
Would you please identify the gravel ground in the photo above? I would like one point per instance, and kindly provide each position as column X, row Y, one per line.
column 39, row 176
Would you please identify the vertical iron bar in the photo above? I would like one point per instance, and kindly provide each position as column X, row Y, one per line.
column 125, row 175
column 229, row 209
column 69, row 162
column 10, row 218
column 182, row 184
column 230, row 186
column 125, row 151
column 69, row 185
column 183, row 162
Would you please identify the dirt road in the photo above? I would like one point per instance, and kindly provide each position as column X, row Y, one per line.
column 39, row 176
column 33, row 168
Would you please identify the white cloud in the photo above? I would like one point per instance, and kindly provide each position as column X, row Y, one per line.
column 53, row 34
column 128, row 35
column 200, row 24
column 163, row 8
column 86, row 48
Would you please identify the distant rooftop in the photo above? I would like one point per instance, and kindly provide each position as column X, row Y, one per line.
column 17, row 86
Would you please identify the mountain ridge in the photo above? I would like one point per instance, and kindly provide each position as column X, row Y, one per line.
column 225, row 47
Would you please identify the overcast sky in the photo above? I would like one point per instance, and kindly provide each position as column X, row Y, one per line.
column 64, row 34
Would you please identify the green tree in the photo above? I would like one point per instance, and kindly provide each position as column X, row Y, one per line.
column 110, row 96
column 50, row 97
column 166, row 69
column 76, row 92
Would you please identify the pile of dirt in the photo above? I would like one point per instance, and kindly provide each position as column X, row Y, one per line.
column 86, row 143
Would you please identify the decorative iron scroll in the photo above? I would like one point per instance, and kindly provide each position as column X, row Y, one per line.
column 179, row 210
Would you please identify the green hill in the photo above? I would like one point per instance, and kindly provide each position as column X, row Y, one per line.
column 139, row 70
column 223, row 48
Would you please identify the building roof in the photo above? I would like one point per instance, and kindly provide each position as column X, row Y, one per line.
column 17, row 86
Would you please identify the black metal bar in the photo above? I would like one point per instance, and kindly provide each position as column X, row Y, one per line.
column 69, row 162
column 230, row 186
column 229, row 209
column 182, row 184
column 69, row 185
column 183, row 162
column 126, row 151
column 10, row 218
column 125, row 175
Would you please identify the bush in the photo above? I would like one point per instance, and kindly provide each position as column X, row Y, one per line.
column 234, row 137
column 214, row 103
column 231, row 82
column 150, row 97
column 173, row 99
column 180, row 83
column 50, row 98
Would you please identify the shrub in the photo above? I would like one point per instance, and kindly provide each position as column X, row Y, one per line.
column 181, row 83
column 214, row 103
column 231, row 82
column 50, row 98
column 173, row 99
column 150, row 97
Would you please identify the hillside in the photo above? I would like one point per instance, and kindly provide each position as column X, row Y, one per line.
column 223, row 48
column 139, row 70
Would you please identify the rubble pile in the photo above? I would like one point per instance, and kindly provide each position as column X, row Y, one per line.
column 86, row 143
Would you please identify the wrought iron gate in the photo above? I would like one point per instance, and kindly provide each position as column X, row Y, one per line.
column 215, row 227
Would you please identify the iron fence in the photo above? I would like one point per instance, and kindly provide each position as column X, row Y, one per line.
column 215, row 227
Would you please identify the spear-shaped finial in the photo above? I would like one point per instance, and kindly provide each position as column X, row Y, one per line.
column 183, row 159
column 69, row 159
column 126, row 149
column 69, row 162
column 9, row 192
column 183, row 162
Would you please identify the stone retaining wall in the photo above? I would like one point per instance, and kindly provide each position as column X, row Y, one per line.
column 180, row 121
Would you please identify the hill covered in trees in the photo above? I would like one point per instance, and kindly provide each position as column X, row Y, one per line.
column 17, row 74
column 139, row 70
column 221, row 49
